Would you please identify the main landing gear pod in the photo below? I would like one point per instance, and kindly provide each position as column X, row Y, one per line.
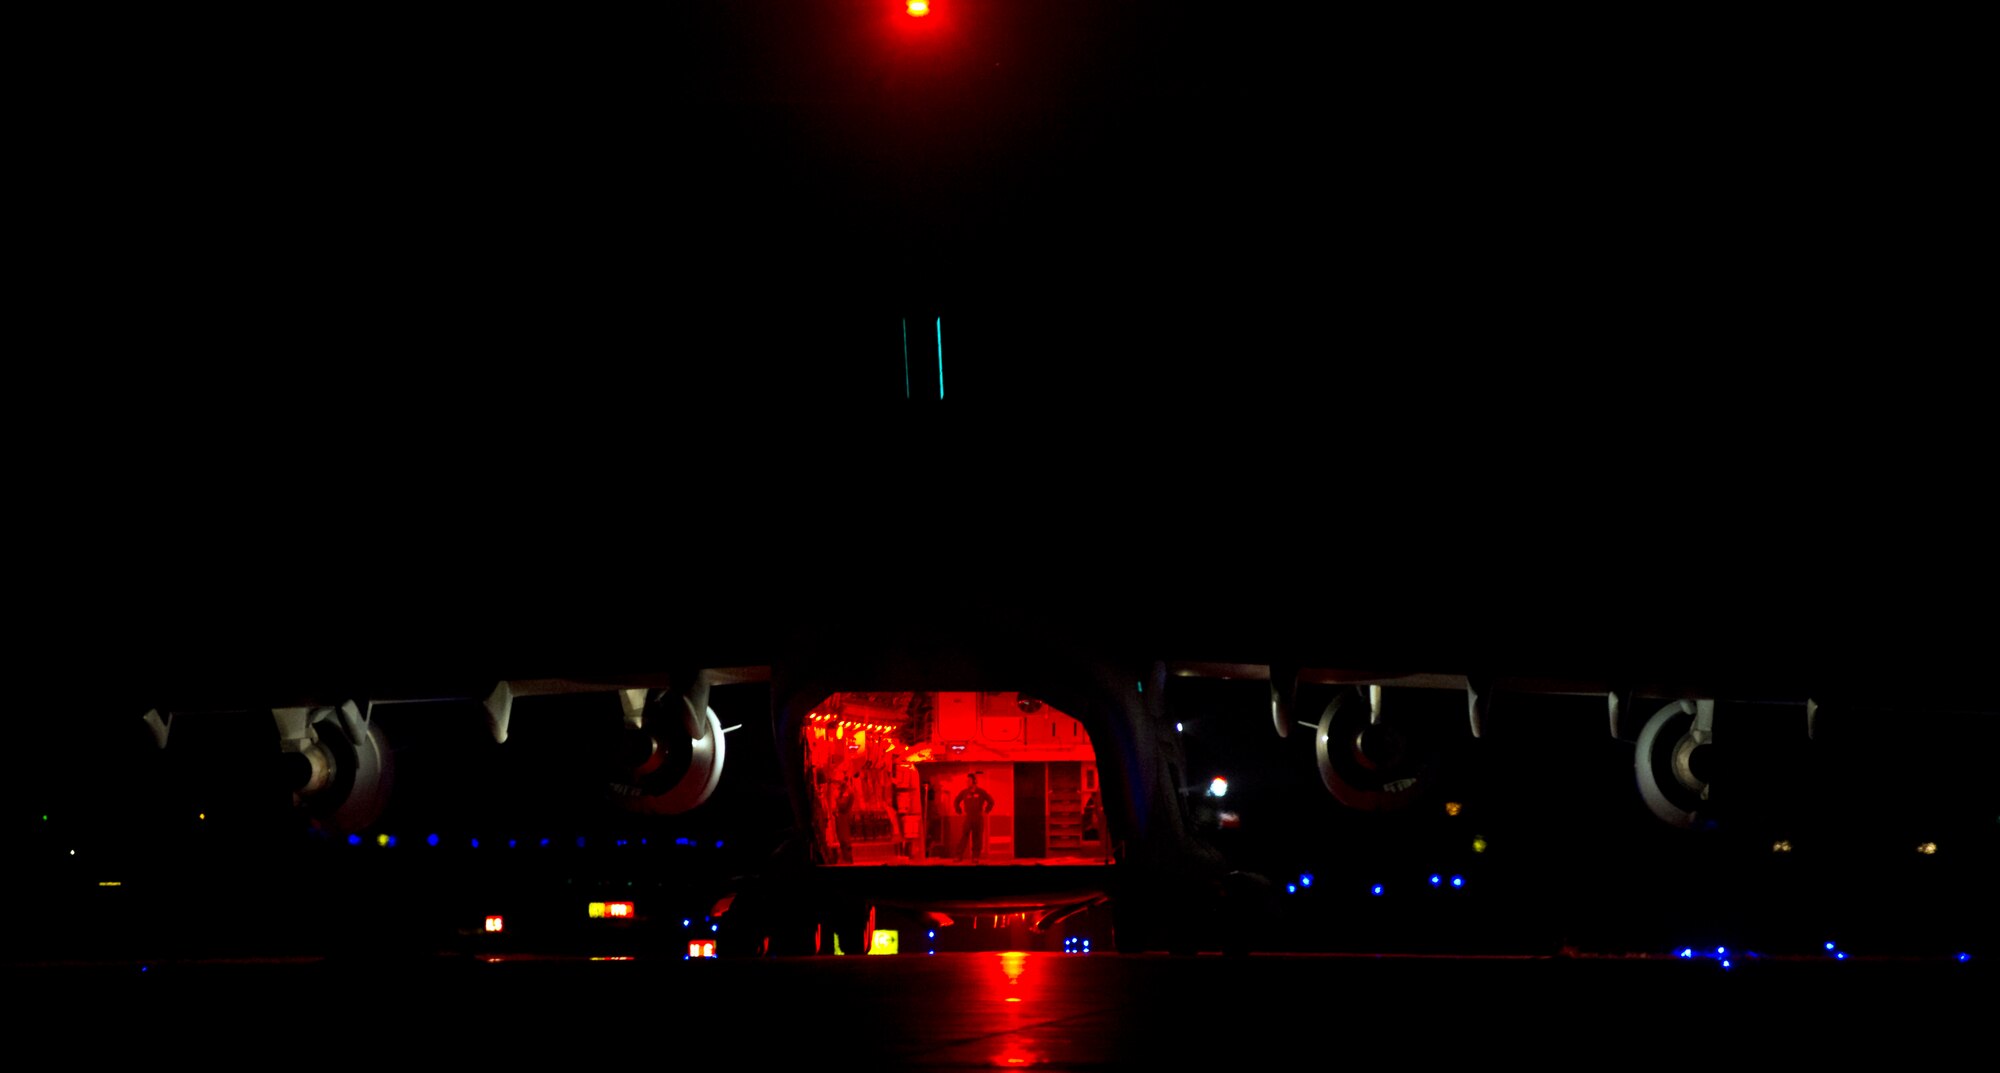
column 1672, row 760
column 1369, row 764
column 670, row 753
column 337, row 763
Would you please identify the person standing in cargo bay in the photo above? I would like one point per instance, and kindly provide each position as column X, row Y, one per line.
column 973, row 803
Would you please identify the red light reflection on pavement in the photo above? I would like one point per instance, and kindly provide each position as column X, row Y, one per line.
column 1013, row 992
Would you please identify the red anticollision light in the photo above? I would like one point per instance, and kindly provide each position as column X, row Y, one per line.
column 919, row 8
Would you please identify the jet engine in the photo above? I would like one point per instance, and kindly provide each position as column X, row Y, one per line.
column 668, row 757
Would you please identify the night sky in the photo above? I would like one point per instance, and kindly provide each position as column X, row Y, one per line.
column 1109, row 200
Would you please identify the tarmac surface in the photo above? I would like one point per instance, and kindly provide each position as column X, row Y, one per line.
column 1011, row 1010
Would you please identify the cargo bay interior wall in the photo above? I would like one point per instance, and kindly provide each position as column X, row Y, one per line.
column 899, row 778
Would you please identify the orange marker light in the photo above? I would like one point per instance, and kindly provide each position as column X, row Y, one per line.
column 919, row 8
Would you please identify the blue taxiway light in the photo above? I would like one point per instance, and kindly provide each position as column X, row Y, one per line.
column 431, row 841
column 1829, row 946
column 1435, row 880
column 545, row 841
column 1458, row 881
column 353, row 840
column 1306, row 880
column 1687, row 952
column 933, row 935
column 579, row 841
column 475, row 843
column 1291, row 888
column 1376, row 889
column 1840, row 955
column 1725, row 963
column 1965, row 957
column 685, row 922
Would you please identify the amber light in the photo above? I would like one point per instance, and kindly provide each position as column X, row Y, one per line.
column 919, row 8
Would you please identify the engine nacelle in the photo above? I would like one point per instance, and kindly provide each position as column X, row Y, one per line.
column 339, row 766
column 1668, row 760
column 1366, row 764
column 671, row 752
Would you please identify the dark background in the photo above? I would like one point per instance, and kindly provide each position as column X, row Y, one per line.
column 390, row 345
